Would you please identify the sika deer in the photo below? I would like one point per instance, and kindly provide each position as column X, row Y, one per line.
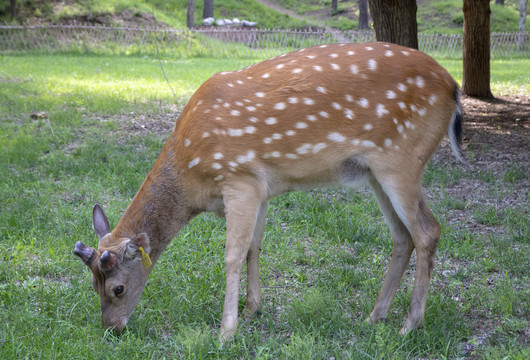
column 325, row 115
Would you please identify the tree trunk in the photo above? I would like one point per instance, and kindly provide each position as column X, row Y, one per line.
column 522, row 24
column 334, row 6
column 476, row 48
column 191, row 13
column 13, row 9
column 363, row 15
column 208, row 9
column 395, row 21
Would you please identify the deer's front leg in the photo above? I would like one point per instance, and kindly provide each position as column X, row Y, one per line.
column 242, row 204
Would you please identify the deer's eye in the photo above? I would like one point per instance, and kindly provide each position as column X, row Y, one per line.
column 118, row 290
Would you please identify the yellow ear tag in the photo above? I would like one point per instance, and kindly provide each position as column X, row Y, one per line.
column 146, row 260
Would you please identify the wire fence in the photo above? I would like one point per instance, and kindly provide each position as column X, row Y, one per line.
column 220, row 42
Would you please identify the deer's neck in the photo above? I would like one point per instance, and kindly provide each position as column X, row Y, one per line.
column 159, row 209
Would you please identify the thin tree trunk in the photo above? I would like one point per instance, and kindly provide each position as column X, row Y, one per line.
column 476, row 48
column 13, row 9
column 363, row 15
column 191, row 13
column 522, row 24
column 395, row 21
column 208, row 9
column 334, row 6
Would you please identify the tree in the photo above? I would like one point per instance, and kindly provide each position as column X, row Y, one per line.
column 13, row 4
column 363, row 15
column 334, row 6
column 208, row 9
column 522, row 21
column 191, row 14
column 395, row 21
column 476, row 48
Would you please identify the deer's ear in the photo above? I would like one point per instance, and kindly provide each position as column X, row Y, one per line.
column 100, row 222
column 142, row 240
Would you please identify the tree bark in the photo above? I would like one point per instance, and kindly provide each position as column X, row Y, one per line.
column 191, row 14
column 13, row 9
column 363, row 15
column 476, row 48
column 208, row 9
column 395, row 21
column 334, row 6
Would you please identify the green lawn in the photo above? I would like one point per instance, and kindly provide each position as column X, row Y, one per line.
column 80, row 129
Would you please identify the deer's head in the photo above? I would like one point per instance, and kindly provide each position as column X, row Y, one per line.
column 119, row 270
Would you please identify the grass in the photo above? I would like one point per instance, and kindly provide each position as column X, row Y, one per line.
column 71, row 136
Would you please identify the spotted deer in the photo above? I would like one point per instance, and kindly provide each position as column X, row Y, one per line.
column 327, row 115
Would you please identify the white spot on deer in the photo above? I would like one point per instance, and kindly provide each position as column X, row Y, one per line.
column 225, row 73
column 321, row 89
column 309, row 101
column 290, row 133
column 390, row 94
column 310, row 56
column 323, row 46
column 250, row 129
column 407, row 124
column 368, row 127
column 230, row 84
column 238, row 103
column 277, row 136
column 350, row 53
column 251, row 108
column 193, row 162
column 413, row 108
column 291, row 156
column 348, row 98
column 260, row 94
column 323, row 114
column 406, row 53
column 311, row 117
column 235, row 113
column 348, row 113
column 292, row 100
column 368, row 143
column 239, row 82
column 218, row 156
column 207, row 111
column 276, row 154
column 400, row 129
column 304, row 149
column 355, row 142
column 317, row 67
column 219, row 100
column 218, row 178
column 266, row 75
column 336, row 137
column 395, row 121
column 226, row 105
column 432, row 99
column 187, row 142
column 253, row 119
column 205, row 134
column 280, row 106
column 333, row 55
column 402, row 105
column 372, row 64
column 389, row 53
column 363, row 102
column 422, row 111
column 336, row 106
column 410, row 80
column 388, row 142
column 297, row 71
column 420, row 82
column 250, row 155
column 217, row 166
column 215, row 106
column 235, row 132
column 354, row 69
column 335, row 66
column 271, row 121
column 267, row 140
column 319, row 147
column 380, row 109
column 301, row 125
column 233, row 164
column 280, row 66
column 401, row 87
column 369, row 48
